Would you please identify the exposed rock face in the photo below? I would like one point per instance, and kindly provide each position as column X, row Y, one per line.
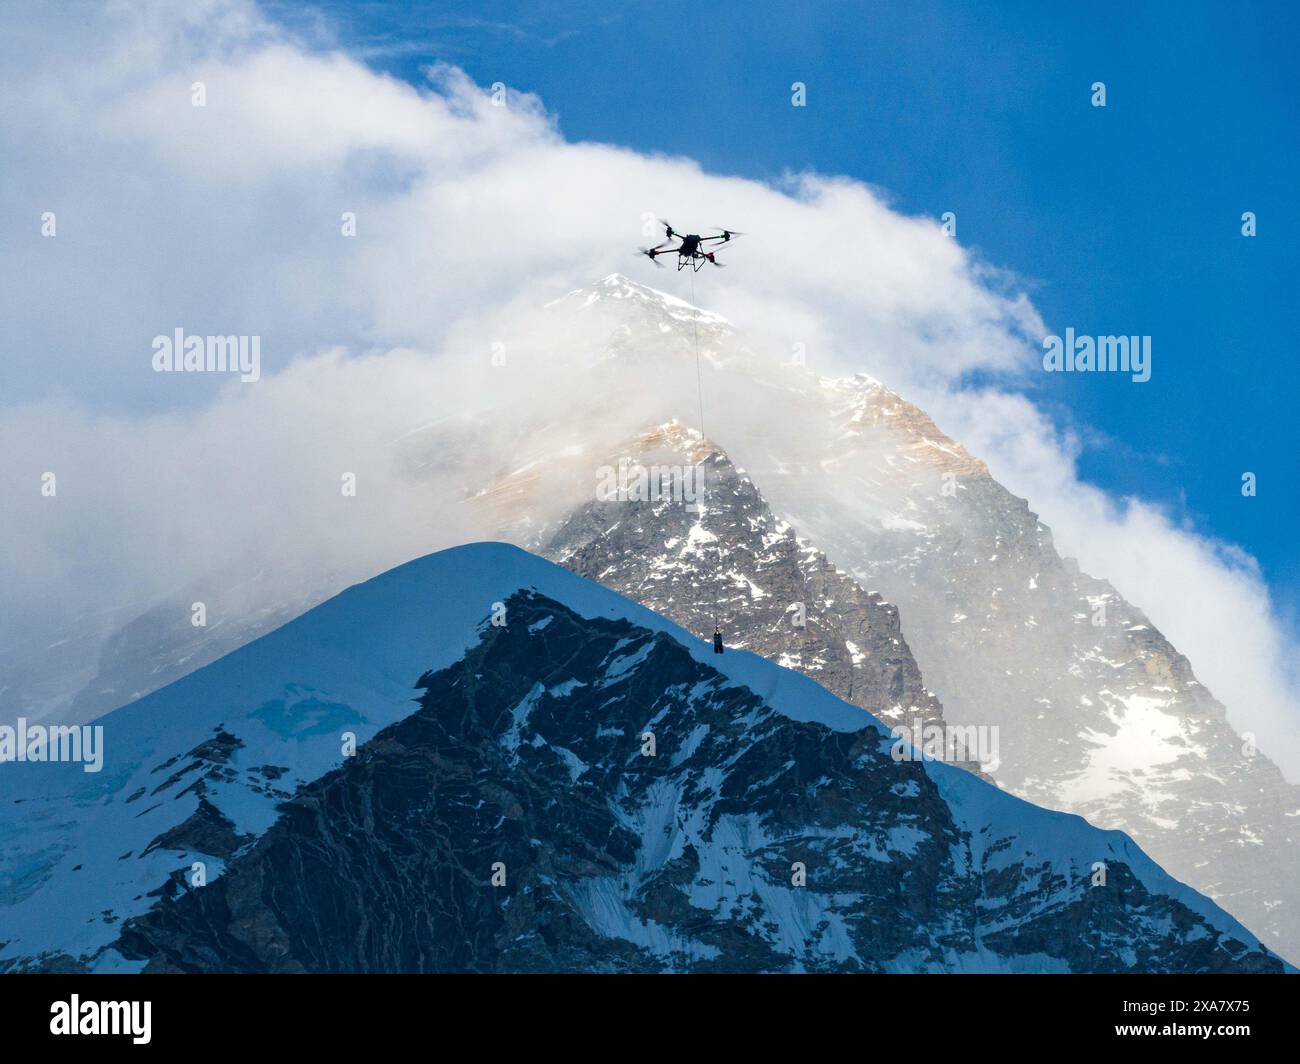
column 525, row 760
column 711, row 552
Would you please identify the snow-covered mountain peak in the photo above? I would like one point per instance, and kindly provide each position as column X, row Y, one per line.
column 618, row 288
column 863, row 408
column 856, row 384
column 676, row 437
column 719, row 556
column 523, row 745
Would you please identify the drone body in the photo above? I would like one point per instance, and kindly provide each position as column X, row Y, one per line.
column 691, row 250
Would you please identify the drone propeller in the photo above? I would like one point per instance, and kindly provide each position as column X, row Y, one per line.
column 728, row 234
column 668, row 228
column 650, row 253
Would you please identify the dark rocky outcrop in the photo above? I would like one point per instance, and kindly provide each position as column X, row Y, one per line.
column 526, row 759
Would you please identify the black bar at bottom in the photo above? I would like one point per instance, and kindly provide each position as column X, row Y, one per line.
column 337, row 1012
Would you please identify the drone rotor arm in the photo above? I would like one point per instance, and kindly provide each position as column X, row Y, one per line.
column 724, row 238
column 659, row 249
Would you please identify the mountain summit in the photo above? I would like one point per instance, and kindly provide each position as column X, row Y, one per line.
column 726, row 561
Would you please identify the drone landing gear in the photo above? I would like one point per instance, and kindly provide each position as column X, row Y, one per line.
column 717, row 642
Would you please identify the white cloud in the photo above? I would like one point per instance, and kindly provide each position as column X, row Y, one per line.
column 225, row 219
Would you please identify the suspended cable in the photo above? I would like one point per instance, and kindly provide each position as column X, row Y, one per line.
column 699, row 391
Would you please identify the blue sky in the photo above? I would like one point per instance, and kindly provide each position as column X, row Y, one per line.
column 1118, row 220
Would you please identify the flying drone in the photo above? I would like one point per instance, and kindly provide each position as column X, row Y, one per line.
column 692, row 249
